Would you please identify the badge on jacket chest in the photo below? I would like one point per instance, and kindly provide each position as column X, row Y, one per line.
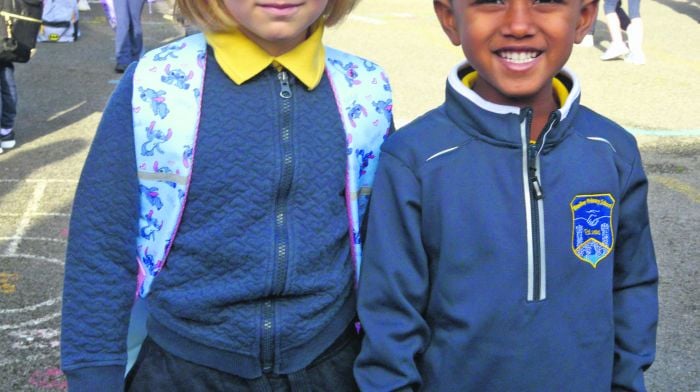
column 593, row 237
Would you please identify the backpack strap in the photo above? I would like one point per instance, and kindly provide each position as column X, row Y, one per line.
column 166, row 101
column 363, row 95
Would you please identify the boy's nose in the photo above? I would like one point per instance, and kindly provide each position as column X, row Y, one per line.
column 518, row 19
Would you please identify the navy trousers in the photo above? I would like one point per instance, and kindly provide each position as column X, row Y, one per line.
column 157, row 370
column 8, row 89
column 129, row 34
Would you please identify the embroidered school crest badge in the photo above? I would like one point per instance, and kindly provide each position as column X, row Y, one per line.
column 593, row 237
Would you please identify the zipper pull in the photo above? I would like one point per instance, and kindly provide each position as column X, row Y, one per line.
column 286, row 91
column 536, row 188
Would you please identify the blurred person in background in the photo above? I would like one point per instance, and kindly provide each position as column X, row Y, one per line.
column 129, row 34
column 631, row 51
column 9, row 105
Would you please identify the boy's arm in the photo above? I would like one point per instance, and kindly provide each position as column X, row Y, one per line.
column 393, row 288
column 100, row 271
column 635, row 282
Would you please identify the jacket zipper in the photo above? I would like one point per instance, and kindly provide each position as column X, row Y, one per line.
column 534, row 213
column 281, row 230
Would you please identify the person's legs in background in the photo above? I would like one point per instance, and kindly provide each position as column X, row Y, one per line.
column 622, row 15
column 122, row 41
column 129, row 34
column 9, row 106
column 635, row 34
column 136, row 32
column 617, row 47
column 588, row 40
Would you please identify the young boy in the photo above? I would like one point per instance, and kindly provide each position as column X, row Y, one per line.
column 236, row 165
column 508, row 246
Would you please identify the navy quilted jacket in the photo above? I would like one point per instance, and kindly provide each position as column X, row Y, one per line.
column 224, row 278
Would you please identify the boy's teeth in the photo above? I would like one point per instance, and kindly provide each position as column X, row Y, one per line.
column 518, row 57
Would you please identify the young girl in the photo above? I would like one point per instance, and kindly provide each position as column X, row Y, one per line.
column 244, row 157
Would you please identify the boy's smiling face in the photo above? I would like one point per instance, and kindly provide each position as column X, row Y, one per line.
column 516, row 46
column 277, row 26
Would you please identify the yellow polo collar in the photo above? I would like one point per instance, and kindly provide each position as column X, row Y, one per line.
column 241, row 59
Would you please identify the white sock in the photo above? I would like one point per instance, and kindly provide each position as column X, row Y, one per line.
column 5, row 131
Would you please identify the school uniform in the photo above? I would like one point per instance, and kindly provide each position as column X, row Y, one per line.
column 259, row 279
column 497, row 263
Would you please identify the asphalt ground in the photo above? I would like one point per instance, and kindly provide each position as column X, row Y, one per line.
column 64, row 88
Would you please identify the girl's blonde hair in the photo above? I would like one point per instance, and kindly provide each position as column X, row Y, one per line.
column 212, row 15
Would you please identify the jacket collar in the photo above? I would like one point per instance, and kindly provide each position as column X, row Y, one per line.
column 500, row 124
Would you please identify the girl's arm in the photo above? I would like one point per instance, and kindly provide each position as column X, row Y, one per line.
column 100, row 271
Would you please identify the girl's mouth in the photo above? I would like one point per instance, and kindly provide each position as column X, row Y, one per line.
column 280, row 9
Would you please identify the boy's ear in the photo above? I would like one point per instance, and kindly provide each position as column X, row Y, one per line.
column 446, row 16
column 589, row 13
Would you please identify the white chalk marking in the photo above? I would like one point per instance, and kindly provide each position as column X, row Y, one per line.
column 30, row 345
column 25, row 221
column 51, row 260
column 61, row 241
column 30, row 323
column 30, row 308
column 36, row 338
column 34, row 180
column 32, row 334
column 70, row 109
column 61, row 214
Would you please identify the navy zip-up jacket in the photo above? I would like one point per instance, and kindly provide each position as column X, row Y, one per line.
column 227, row 298
column 494, row 265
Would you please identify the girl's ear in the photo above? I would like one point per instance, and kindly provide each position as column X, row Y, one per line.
column 588, row 15
column 446, row 16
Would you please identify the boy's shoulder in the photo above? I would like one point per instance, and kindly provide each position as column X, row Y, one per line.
column 597, row 127
column 428, row 135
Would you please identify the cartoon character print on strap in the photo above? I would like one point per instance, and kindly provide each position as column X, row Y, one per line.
column 151, row 195
column 167, row 77
column 156, row 99
column 384, row 107
column 169, row 51
column 177, row 77
column 349, row 71
column 155, row 137
column 354, row 112
column 365, row 86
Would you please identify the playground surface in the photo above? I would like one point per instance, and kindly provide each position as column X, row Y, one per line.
column 64, row 88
